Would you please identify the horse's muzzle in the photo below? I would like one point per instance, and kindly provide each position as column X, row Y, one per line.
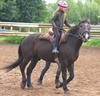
column 85, row 36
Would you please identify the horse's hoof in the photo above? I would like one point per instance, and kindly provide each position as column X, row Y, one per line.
column 22, row 85
column 66, row 91
column 59, row 85
column 39, row 82
column 30, row 87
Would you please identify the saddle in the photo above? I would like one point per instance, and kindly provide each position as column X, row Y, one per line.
column 50, row 36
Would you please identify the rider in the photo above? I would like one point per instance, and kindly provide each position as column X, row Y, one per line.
column 58, row 20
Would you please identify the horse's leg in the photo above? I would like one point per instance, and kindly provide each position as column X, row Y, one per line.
column 71, row 72
column 29, row 71
column 57, row 81
column 47, row 65
column 22, row 68
column 64, row 75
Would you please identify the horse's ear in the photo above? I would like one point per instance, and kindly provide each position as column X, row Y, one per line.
column 80, row 19
column 84, row 19
column 88, row 20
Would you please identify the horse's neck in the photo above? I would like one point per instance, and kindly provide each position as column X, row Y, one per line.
column 74, row 42
column 72, row 39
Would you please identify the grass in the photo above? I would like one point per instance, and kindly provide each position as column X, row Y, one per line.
column 17, row 39
column 92, row 42
column 11, row 39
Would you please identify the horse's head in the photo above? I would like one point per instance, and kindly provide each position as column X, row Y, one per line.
column 82, row 30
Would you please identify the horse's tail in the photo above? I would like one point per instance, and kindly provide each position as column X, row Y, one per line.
column 16, row 63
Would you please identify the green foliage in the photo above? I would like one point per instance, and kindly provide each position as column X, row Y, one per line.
column 73, row 12
column 11, row 39
column 97, row 1
column 8, row 10
column 23, row 10
column 18, row 39
column 92, row 42
column 80, row 10
column 37, row 10
column 88, row 10
column 92, row 12
column 31, row 10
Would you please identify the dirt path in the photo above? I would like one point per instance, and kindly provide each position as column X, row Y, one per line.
column 85, row 83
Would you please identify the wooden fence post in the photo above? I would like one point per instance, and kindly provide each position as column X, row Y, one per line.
column 40, row 30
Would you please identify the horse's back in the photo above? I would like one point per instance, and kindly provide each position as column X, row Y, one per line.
column 28, row 43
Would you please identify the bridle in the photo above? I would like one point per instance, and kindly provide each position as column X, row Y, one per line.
column 78, row 36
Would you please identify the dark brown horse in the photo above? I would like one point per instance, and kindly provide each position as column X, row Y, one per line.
column 33, row 49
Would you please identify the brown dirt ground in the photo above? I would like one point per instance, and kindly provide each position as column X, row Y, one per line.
column 85, row 83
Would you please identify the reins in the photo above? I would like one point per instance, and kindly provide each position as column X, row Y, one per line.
column 74, row 35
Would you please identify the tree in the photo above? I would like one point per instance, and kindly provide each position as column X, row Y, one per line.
column 73, row 11
column 7, row 10
column 91, row 11
column 31, row 10
column 37, row 10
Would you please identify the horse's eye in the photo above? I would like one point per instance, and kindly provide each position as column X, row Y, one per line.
column 81, row 26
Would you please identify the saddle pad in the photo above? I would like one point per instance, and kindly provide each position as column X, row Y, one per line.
column 48, row 36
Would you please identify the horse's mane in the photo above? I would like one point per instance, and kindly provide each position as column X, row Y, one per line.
column 76, row 27
column 73, row 29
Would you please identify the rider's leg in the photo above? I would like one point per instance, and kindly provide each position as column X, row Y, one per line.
column 56, row 40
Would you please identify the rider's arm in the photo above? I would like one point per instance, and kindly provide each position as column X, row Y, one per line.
column 66, row 23
column 53, row 20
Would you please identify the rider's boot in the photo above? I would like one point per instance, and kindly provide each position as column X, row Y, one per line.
column 55, row 50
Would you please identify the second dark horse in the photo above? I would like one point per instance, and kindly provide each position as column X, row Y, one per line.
column 33, row 49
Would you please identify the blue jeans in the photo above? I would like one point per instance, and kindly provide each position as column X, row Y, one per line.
column 57, row 35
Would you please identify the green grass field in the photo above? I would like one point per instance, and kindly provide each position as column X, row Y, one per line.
column 11, row 39
column 92, row 42
column 17, row 39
